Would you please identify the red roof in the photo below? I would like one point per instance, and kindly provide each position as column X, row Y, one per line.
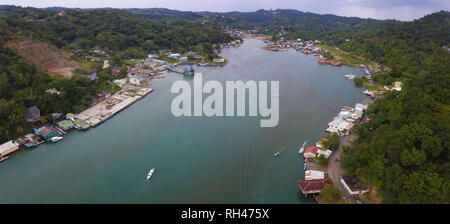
column 312, row 149
column 313, row 186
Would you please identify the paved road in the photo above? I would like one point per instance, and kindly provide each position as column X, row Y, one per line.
column 335, row 171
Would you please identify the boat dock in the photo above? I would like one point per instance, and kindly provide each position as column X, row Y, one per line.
column 114, row 104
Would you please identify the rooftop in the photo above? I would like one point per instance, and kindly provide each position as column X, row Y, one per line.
column 354, row 184
column 7, row 146
column 313, row 186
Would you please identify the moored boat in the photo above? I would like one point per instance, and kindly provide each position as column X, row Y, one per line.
column 304, row 166
column 302, row 148
column 3, row 158
column 56, row 138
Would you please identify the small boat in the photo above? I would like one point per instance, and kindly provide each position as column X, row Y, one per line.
column 149, row 175
column 276, row 154
column 300, row 151
column 3, row 158
column 350, row 76
column 56, row 138
column 188, row 71
column 304, row 167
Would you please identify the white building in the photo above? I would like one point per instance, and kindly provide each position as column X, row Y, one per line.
column 120, row 82
column 325, row 152
column 8, row 147
column 314, row 175
column 135, row 80
column 360, row 107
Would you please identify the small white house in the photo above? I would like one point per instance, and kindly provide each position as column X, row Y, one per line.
column 314, row 175
column 360, row 107
column 325, row 152
column 135, row 80
column 120, row 82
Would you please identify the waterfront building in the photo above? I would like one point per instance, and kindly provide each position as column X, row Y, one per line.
column 70, row 116
column 65, row 125
column 135, row 80
column 46, row 132
column 311, row 152
column 325, row 152
column 314, row 175
column 29, row 140
column 319, row 144
column 8, row 147
column 79, row 123
column 313, row 186
column 360, row 107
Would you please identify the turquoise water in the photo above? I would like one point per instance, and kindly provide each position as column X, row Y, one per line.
column 197, row 159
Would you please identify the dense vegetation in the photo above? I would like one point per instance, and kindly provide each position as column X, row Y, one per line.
column 404, row 148
column 110, row 29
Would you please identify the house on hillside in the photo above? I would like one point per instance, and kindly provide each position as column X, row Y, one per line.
column 174, row 56
column 91, row 75
column 33, row 114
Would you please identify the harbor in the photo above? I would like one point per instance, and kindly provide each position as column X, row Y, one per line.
column 109, row 163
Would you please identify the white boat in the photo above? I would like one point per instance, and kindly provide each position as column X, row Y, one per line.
column 302, row 148
column 276, row 154
column 149, row 175
column 350, row 76
column 56, row 138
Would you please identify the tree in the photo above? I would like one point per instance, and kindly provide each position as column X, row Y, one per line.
column 331, row 142
column 330, row 192
column 322, row 160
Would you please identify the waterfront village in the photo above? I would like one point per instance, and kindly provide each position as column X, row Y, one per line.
column 136, row 85
column 133, row 87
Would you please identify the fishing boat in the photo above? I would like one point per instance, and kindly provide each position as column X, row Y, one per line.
column 149, row 175
column 276, row 154
column 3, row 158
column 302, row 148
column 56, row 138
column 304, row 166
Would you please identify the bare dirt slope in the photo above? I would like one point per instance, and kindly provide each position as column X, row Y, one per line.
column 45, row 56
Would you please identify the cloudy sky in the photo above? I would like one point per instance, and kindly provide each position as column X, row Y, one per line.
column 377, row 9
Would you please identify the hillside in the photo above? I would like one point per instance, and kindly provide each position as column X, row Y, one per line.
column 45, row 57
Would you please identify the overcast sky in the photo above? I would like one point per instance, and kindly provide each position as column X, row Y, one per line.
column 377, row 9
